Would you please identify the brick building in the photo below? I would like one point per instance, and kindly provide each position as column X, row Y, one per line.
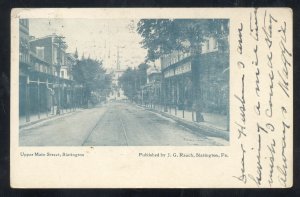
column 46, row 81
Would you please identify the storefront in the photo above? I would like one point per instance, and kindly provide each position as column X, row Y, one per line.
column 177, row 85
column 198, row 83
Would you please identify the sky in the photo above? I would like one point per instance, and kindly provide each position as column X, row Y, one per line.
column 97, row 38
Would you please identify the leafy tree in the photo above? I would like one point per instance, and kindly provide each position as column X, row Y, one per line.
column 142, row 74
column 133, row 79
column 162, row 36
column 127, row 82
column 93, row 76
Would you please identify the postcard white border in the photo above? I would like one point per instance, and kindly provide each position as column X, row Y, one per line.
column 120, row 167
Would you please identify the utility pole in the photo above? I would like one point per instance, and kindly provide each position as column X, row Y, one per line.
column 118, row 58
column 59, row 40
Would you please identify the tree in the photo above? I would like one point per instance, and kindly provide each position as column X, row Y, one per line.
column 92, row 76
column 133, row 79
column 127, row 83
column 142, row 74
column 162, row 36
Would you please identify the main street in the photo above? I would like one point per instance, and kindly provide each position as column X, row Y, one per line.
column 113, row 124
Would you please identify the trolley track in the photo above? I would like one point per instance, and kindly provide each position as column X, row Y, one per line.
column 124, row 131
column 99, row 122
column 93, row 129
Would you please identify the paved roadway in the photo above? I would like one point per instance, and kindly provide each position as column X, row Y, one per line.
column 113, row 124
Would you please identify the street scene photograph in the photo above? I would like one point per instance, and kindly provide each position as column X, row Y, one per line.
column 124, row 82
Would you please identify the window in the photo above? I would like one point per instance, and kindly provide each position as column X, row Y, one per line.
column 62, row 74
column 214, row 43
column 54, row 55
column 45, row 69
column 36, row 67
column 62, row 58
column 40, row 52
column 207, row 45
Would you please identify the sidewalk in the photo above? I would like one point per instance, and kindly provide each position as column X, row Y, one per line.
column 35, row 118
column 214, row 124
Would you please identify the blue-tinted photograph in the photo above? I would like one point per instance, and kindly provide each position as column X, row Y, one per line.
column 123, row 82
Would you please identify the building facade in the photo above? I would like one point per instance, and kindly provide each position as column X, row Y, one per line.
column 197, row 81
column 46, row 83
column 150, row 93
column 24, row 65
column 117, row 92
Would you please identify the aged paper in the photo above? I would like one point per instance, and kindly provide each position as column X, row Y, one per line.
column 220, row 114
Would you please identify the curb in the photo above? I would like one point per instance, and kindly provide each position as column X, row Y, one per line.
column 196, row 127
column 43, row 120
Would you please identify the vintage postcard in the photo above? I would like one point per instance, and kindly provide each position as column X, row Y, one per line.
column 152, row 98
